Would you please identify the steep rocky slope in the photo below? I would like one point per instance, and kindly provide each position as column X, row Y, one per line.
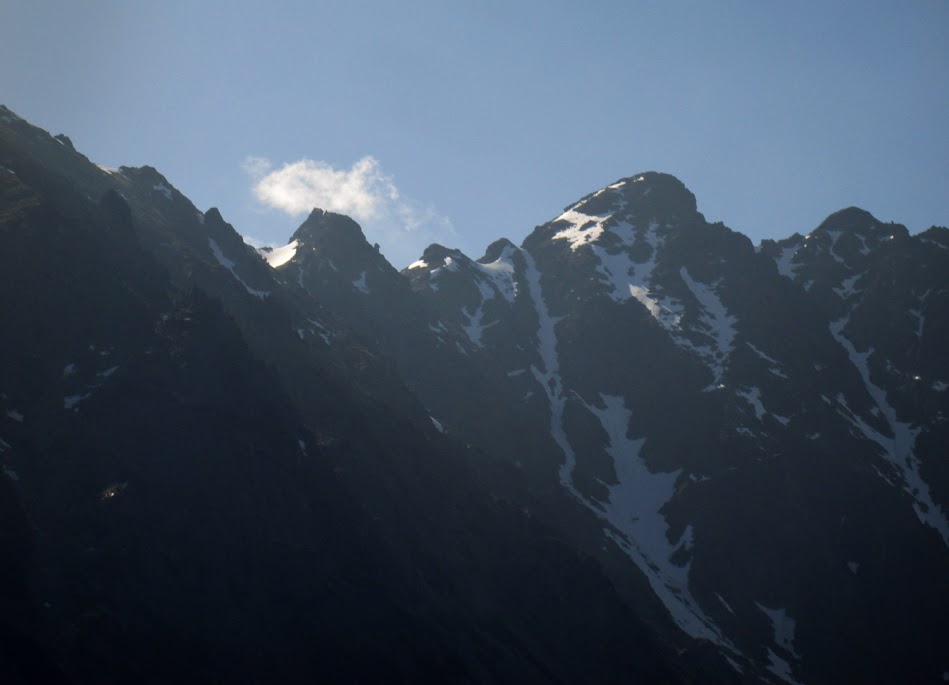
column 208, row 477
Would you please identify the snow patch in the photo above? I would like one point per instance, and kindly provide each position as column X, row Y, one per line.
column 583, row 228
column 761, row 354
column 475, row 328
column 634, row 504
column 847, row 289
column 229, row 265
column 783, row 627
column 420, row 264
column 163, row 189
column 15, row 415
column 278, row 256
column 438, row 426
column 753, row 397
column 780, row 668
column 360, row 284
column 322, row 330
column 719, row 325
column 853, row 566
column 501, row 273
column 898, row 449
column 834, row 237
column 634, row 510
column 785, row 261
column 627, row 278
column 72, row 401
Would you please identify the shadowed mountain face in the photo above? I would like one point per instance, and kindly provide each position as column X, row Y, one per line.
column 636, row 448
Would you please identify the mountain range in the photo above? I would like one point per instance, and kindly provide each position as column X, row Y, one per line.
column 634, row 448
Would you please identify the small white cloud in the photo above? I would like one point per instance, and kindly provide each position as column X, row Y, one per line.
column 256, row 167
column 362, row 192
column 256, row 243
column 402, row 226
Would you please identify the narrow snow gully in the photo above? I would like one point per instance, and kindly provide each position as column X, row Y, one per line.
column 897, row 450
column 633, row 510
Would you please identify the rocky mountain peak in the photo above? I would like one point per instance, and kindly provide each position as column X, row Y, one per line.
column 338, row 240
column 651, row 192
column 336, row 236
column 496, row 249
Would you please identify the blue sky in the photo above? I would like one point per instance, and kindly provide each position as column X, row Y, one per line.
column 464, row 122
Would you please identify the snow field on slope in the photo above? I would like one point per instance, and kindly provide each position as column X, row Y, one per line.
column 229, row 265
column 635, row 502
column 897, row 450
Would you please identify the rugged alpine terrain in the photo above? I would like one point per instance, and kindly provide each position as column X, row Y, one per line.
column 635, row 448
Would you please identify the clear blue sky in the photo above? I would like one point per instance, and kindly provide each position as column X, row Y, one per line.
column 486, row 118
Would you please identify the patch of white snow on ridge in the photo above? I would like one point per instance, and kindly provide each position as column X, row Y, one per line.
column 229, row 265
column 322, row 330
column 360, row 284
column 897, row 450
column 449, row 264
column 846, row 289
column 279, row 256
column 834, row 237
column 719, row 325
column 634, row 510
column 72, row 401
column 918, row 314
column 763, row 355
column 628, row 278
column 783, row 627
column 780, row 668
column 785, row 263
column 853, row 566
column 501, row 273
column 583, row 228
column 419, row 264
column 753, row 397
column 549, row 378
column 15, row 415
column 475, row 328
column 163, row 189
column 438, row 426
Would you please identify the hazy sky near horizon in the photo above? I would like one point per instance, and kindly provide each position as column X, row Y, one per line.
column 460, row 123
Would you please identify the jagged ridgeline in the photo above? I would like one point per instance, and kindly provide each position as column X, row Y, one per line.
column 635, row 448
